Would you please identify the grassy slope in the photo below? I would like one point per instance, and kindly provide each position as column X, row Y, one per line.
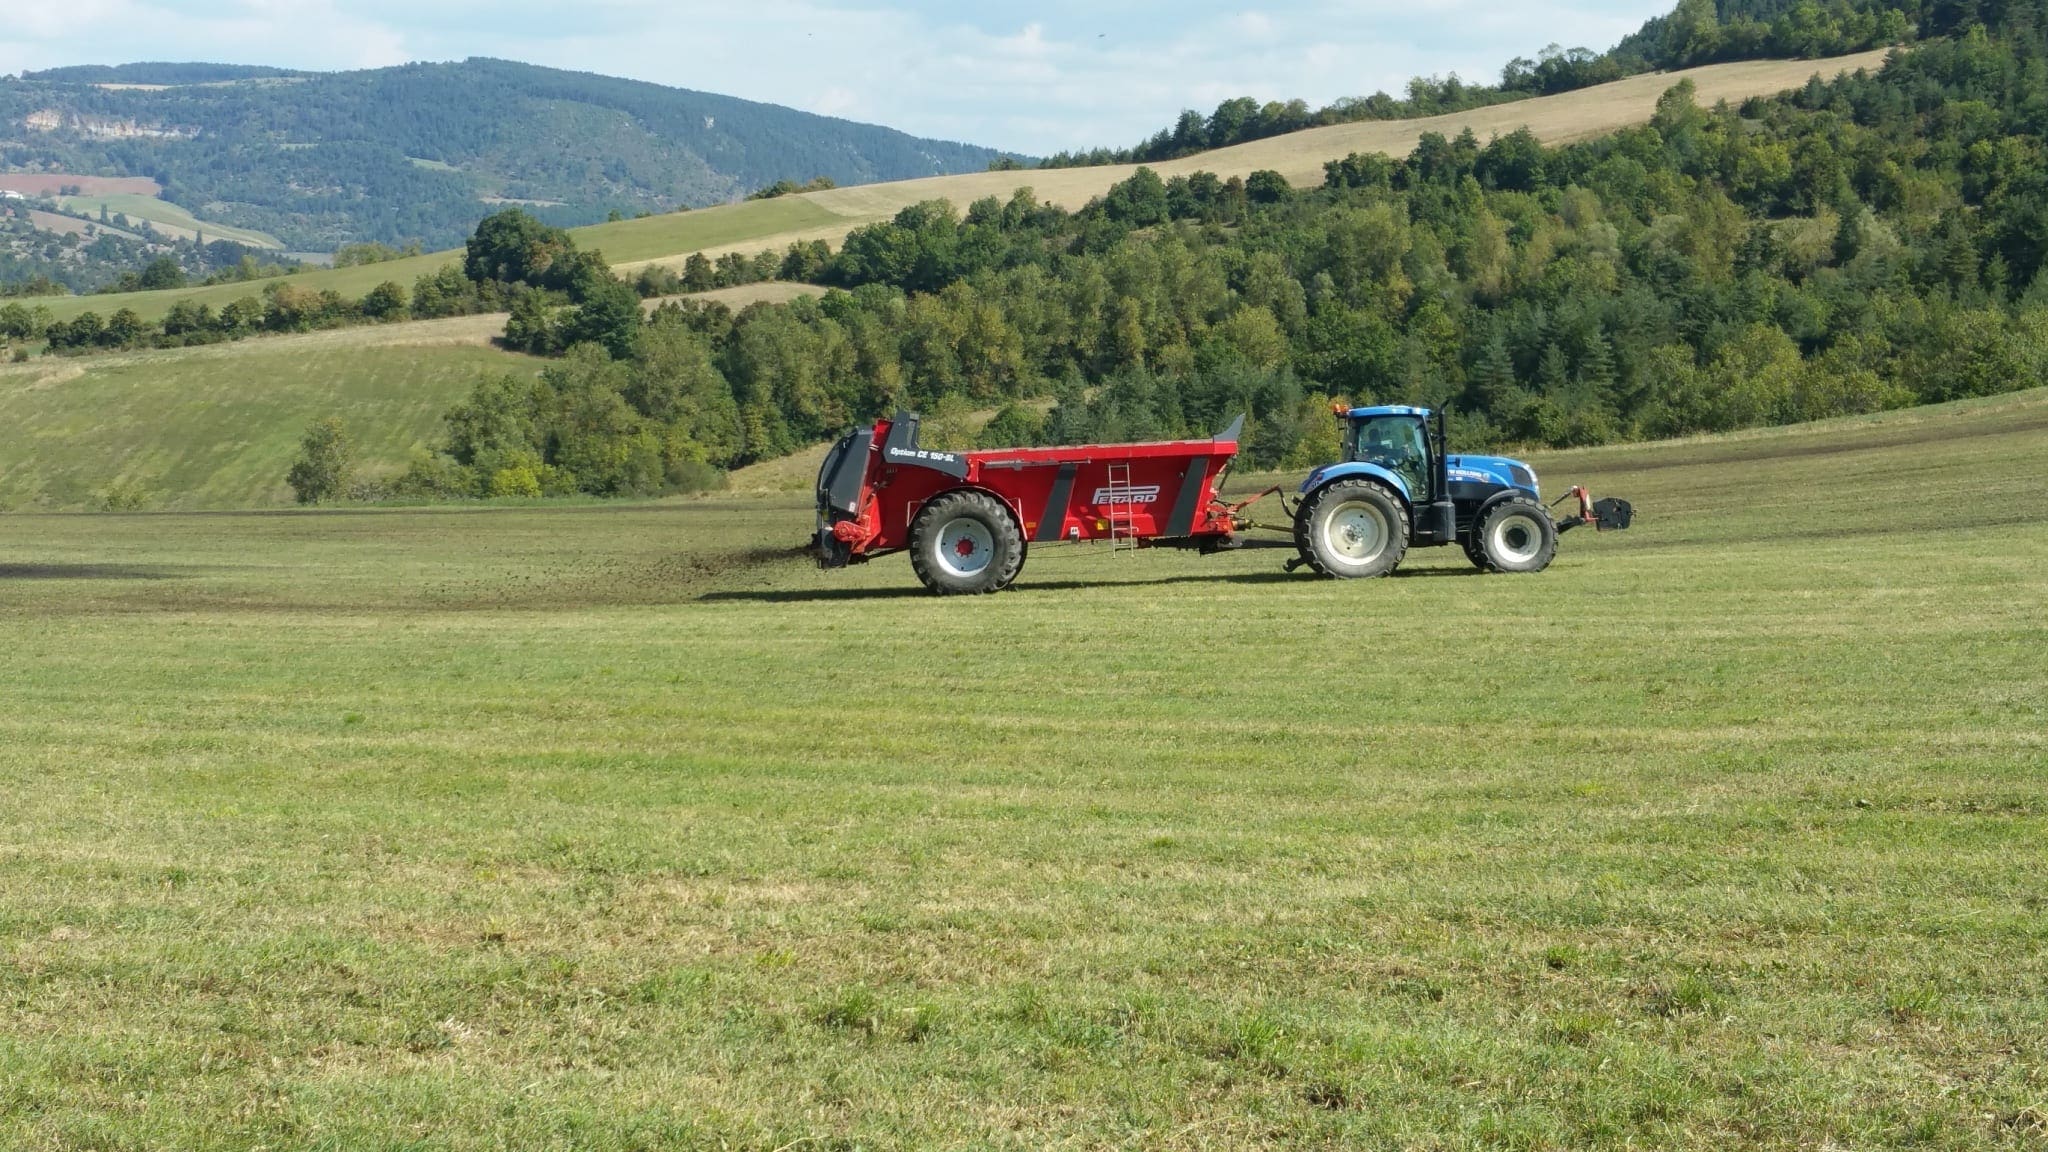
column 353, row 283
column 831, row 215
column 629, row 240
column 615, row 827
column 218, row 426
column 169, row 218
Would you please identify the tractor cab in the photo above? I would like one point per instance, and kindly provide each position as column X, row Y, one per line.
column 1396, row 439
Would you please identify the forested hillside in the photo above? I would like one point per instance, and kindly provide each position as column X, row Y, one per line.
column 1874, row 242
column 416, row 152
column 1697, row 32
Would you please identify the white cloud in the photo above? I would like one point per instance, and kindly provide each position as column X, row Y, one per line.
column 1256, row 26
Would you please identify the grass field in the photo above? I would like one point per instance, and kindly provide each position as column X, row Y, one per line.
column 631, row 241
column 167, row 217
column 628, row 240
column 217, row 427
column 354, row 283
column 773, row 224
column 620, row 827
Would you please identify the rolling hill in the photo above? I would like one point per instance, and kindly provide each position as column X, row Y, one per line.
column 420, row 151
column 772, row 224
column 216, row 427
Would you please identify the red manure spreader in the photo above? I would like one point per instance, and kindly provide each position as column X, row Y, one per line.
column 969, row 519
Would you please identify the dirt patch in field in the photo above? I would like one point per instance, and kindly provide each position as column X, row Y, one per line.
column 53, row 183
column 86, row 572
column 626, row 580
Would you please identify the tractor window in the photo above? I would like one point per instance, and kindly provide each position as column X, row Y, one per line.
column 1400, row 444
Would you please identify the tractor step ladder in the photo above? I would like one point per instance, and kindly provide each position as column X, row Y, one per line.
column 1123, row 533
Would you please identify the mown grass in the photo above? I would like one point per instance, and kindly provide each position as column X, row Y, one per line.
column 685, row 232
column 219, row 426
column 168, row 217
column 621, row 827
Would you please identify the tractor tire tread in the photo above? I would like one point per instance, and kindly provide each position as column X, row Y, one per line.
column 1304, row 543
column 1475, row 545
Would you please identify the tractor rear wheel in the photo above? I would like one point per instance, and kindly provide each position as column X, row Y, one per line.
column 1352, row 530
column 966, row 544
column 1516, row 536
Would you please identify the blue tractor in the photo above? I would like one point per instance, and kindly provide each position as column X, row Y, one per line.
column 1398, row 487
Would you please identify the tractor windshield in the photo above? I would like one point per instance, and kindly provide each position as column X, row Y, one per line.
column 1400, row 444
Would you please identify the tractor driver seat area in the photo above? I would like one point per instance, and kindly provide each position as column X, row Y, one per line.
column 1397, row 445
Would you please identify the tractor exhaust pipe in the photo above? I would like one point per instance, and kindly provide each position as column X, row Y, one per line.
column 1443, row 514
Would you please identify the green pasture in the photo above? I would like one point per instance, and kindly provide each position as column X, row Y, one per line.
column 621, row 827
column 219, row 426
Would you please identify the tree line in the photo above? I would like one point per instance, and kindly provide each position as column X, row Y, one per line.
column 1862, row 244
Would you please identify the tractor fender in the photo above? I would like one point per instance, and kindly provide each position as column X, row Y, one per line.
column 1496, row 500
column 1324, row 477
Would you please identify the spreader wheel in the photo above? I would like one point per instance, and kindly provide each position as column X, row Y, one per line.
column 966, row 544
column 1352, row 529
column 1516, row 536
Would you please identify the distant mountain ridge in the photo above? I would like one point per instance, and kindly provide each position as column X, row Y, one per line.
column 421, row 151
column 159, row 72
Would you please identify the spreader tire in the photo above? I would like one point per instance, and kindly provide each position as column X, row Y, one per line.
column 966, row 544
column 1352, row 530
column 1515, row 536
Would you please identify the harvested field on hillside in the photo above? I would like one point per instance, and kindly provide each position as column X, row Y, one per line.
column 73, row 226
column 166, row 217
column 53, row 183
column 1300, row 156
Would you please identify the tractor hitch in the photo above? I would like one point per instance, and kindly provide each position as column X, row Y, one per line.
column 1609, row 515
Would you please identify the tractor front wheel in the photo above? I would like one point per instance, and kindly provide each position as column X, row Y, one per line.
column 966, row 544
column 1470, row 543
column 1516, row 536
column 1352, row 530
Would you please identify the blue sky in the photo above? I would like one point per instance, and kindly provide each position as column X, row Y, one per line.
column 1033, row 77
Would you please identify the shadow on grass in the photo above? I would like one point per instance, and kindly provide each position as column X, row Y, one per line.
column 88, row 572
column 1028, row 587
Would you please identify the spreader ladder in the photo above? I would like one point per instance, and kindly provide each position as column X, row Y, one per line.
column 1123, row 531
